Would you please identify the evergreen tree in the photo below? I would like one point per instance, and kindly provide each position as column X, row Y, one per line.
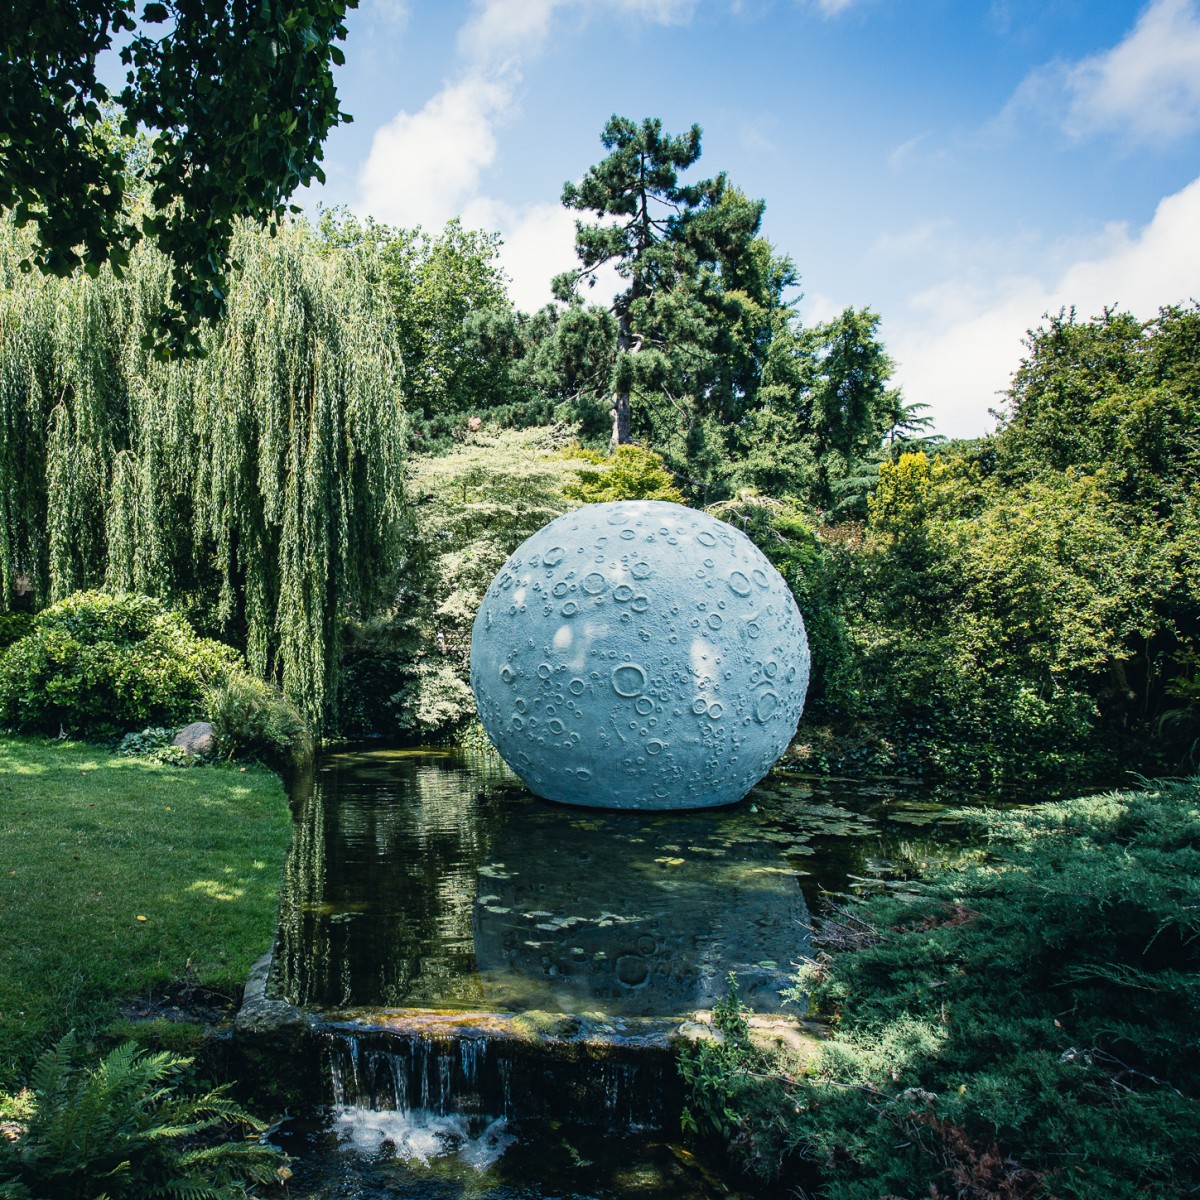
column 823, row 414
column 702, row 355
column 702, row 286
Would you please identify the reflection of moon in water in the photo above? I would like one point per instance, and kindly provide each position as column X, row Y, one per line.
column 591, row 912
column 639, row 655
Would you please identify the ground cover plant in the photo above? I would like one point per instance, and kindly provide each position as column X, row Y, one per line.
column 119, row 878
column 1023, row 1026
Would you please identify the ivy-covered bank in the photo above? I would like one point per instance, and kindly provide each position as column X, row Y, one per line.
column 122, row 879
column 1023, row 1026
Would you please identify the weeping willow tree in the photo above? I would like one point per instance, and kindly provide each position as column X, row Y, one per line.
column 259, row 489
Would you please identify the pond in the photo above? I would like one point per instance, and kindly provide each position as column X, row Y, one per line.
column 493, row 973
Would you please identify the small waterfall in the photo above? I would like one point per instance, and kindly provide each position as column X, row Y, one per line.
column 414, row 1098
column 417, row 1096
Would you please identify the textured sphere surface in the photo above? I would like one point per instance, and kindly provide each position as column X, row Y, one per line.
column 639, row 655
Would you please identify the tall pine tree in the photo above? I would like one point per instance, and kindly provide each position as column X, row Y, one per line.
column 702, row 287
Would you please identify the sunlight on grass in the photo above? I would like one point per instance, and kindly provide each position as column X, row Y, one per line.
column 89, row 843
column 216, row 891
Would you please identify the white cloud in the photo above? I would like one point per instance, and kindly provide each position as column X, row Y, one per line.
column 424, row 166
column 539, row 242
column 428, row 166
column 816, row 307
column 831, row 8
column 1145, row 89
column 501, row 30
column 900, row 155
column 962, row 341
column 1147, row 86
column 390, row 14
column 920, row 241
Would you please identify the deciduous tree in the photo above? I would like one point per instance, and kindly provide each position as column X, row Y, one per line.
column 238, row 96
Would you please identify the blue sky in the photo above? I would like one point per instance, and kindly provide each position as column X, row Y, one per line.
column 960, row 166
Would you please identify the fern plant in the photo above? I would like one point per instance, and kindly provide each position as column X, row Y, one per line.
column 125, row 1129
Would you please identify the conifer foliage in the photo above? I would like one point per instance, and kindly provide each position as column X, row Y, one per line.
column 258, row 488
column 701, row 355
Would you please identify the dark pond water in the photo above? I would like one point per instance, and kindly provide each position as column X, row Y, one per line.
column 434, row 881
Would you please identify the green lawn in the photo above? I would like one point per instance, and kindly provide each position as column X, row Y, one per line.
column 118, row 876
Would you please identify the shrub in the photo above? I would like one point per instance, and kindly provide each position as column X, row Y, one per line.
column 790, row 539
column 1021, row 1026
column 471, row 510
column 148, row 741
column 253, row 719
column 126, row 1130
column 13, row 626
column 156, row 746
column 97, row 664
column 624, row 473
column 732, row 1090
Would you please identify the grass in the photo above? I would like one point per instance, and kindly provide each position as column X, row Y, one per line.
column 119, row 877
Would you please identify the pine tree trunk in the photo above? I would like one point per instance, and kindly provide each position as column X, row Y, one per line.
column 622, row 417
column 621, row 431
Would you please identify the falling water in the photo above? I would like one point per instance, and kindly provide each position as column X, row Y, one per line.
column 429, row 1096
column 414, row 1099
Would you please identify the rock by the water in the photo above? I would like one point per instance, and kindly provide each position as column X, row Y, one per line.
column 196, row 738
column 639, row 654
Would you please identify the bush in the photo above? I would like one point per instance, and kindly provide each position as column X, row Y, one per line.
column 147, row 742
column 624, row 473
column 125, row 1130
column 13, row 626
column 791, row 540
column 1023, row 1026
column 97, row 664
column 471, row 510
column 155, row 745
column 253, row 719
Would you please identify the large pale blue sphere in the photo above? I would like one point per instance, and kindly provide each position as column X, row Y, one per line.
column 639, row 655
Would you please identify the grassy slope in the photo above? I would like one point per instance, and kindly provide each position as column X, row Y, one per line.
column 90, row 842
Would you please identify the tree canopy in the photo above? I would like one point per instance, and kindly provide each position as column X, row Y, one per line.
column 238, row 96
column 702, row 355
column 690, row 257
column 445, row 295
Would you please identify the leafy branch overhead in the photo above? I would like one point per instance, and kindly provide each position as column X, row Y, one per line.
column 238, row 96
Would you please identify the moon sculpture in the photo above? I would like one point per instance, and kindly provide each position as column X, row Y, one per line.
column 639, row 655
